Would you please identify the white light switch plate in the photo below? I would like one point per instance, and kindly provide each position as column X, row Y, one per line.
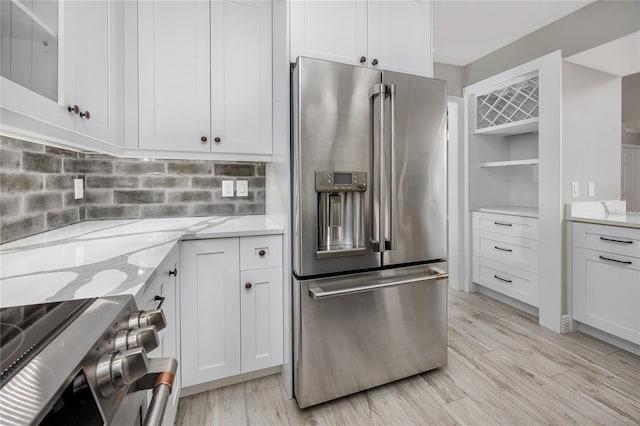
column 242, row 188
column 575, row 189
column 78, row 189
column 592, row 189
column 227, row 188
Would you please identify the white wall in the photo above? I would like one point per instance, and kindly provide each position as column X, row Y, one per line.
column 631, row 107
column 597, row 23
column 591, row 116
column 453, row 75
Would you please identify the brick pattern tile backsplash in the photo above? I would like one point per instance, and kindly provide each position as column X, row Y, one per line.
column 37, row 188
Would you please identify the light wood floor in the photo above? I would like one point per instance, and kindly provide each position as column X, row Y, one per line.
column 503, row 369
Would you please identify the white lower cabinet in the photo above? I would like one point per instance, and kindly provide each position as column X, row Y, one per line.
column 231, row 319
column 165, row 285
column 606, row 284
column 506, row 255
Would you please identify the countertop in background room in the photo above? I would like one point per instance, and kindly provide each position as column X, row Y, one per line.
column 106, row 257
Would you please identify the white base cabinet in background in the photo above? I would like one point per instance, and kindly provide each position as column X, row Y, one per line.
column 606, row 279
column 231, row 307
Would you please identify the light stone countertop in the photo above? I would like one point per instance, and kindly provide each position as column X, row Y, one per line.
column 603, row 213
column 106, row 257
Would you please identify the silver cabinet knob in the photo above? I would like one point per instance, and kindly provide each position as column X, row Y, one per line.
column 144, row 337
column 117, row 371
column 153, row 317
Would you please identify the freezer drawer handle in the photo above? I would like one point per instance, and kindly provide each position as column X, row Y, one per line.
column 502, row 279
column 502, row 249
column 319, row 293
column 503, row 224
column 612, row 240
column 624, row 262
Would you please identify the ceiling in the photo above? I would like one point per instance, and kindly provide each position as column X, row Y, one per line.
column 619, row 57
column 466, row 30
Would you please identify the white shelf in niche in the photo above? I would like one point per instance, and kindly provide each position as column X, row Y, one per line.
column 528, row 162
column 513, row 128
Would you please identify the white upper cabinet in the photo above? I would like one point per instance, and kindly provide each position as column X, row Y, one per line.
column 241, row 76
column 60, row 69
column 389, row 35
column 205, row 76
column 400, row 36
column 332, row 30
column 90, row 66
column 174, row 85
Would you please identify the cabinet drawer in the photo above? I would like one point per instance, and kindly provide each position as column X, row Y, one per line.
column 516, row 283
column 518, row 226
column 515, row 251
column 260, row 252
column 606, row 294
column 610, row 239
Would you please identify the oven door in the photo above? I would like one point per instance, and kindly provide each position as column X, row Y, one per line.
column 363, row 330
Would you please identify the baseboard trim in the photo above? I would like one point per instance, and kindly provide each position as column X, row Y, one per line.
column 566, row 324
column 609, row 338
column 228, row 381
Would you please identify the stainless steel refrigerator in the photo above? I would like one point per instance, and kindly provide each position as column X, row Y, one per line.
column 370, row 227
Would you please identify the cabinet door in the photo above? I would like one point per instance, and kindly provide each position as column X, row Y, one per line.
column 30, row 61
column 606, row 293
column 171, row 337
column 90, row 71
column 400, row 36
column 173, row 66
column 262, row 327
column 331, row 30
column 210, row 310
column 241, row 76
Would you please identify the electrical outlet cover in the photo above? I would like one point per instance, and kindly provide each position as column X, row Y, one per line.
column 575, row 189
column 227, row 188
column 242, row 188
column 78, row 189
column 592, row 189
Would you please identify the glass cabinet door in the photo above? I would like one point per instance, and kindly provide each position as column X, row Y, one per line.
column 29, row 45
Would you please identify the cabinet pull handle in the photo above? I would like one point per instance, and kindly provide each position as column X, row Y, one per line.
column 363, row 59
column 74, row 109
column 503, row 224
column 613, row 240
column 217, row 140
column 502, row 279
column 160, row 299
column 248, row 286
column 203, row 139
column 503, row 249
column 262, row 253
column 174, row 272
column 624, row 262
column 374, row 62
column 85, row 114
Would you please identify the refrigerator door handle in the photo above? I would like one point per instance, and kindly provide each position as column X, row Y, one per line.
column 379, row 228
column 318, row 293
column 391, row 243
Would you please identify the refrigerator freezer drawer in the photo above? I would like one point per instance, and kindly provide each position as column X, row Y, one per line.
column 353, row 333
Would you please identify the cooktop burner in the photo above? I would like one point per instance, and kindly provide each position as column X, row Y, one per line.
column 26, row 330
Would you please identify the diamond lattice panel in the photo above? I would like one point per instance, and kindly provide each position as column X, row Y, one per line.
column 508, row 105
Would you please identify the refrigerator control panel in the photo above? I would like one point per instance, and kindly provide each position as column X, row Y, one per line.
column 334, row 181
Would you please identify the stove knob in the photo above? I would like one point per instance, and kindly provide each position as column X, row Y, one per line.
column 362, row 185
column 146, row 318
column 144, row 337
column 117, row 371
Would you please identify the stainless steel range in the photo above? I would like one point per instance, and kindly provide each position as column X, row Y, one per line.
column 370, row 227
column 82, row 362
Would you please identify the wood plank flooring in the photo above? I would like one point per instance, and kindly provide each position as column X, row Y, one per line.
column 503, row 369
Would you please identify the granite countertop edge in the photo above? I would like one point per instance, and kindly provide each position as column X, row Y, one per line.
column 107, row 258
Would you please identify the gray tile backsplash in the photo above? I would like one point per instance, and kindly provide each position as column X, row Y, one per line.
column 37, row 188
